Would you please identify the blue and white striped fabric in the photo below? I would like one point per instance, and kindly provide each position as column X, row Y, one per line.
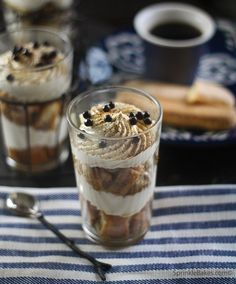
column 192, row 240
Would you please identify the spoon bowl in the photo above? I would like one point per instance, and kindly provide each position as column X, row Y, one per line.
column 22, row 204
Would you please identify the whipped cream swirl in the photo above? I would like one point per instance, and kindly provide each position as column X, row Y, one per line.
column 133, row 143
column 36, row 73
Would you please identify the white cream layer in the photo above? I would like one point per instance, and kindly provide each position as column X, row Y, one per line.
column 31, row 92
column 34, row 5
column 30, row 85
column 15, row 135
column 96, row 161
column 113, row 204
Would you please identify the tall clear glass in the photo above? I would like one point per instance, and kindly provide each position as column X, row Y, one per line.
column 33, row 98
column 115, row 134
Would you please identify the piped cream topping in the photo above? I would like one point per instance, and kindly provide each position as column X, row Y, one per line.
column 34, row 72
column 135, row 143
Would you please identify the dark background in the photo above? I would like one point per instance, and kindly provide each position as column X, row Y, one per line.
column 177, row 164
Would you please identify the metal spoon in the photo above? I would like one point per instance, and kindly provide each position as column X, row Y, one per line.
column 25, row 205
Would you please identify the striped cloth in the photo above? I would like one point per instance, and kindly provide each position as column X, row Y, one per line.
column 192, row 240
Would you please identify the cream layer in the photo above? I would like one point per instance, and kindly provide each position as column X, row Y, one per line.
column 15, row 135
column 97, row 161
column 112, row 204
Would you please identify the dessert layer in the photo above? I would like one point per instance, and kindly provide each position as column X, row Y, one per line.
column 35, row 72
column 108, row 162
column 120, row 181
column 34, row 5
column 118, row 137
column 40, row 155
column 15, row 135
column 39, row 116
column 113, row 204
column 116, row 228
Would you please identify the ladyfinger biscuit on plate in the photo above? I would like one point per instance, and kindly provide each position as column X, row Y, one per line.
column 205, row 92
column 205, row 105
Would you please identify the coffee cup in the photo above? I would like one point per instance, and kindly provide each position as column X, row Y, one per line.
column 175, row 37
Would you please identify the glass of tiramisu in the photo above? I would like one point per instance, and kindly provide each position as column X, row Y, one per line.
column 115, row 134
column 56, row 14
column 35, row 78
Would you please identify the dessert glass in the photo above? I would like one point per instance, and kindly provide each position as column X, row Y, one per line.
column 115, row 144
column 33, row 98
column 56, row 14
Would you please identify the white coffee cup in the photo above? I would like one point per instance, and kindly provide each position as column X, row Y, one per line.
column 173, row 60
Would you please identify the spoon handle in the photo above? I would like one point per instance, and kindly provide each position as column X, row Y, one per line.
column 100, row 267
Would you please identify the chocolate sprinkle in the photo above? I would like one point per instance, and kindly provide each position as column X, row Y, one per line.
column 133, row 121
column 81, row 136
column 86, row 114
column 10, row 78
column 146, row 114
column 111, row 105
column 46, row 43
column 147, row 121
column 88, row 122
column 108, row 118
column 17, row 49
column 52, row 54
column 106, row 108
column 36, row 45
column 16, row 57
column 102, row 144
column 45, row 56
column 26, row 52
column 139, row 115
column 135, row 140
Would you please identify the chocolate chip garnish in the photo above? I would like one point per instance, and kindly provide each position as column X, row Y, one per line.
column 102, row 144
column 46, row 43
column 52, row 54
column 16, row 57
column 86, row 114
column 17, row 49
column 147, row 121
column 111, row 105
column 108, row 118
column 106, row 108
column 81, row 136
column 36, row 45
column 146, row 114
column 10, row 78
column 88, row 122
column 133, row 120
column 44, row 56
column 139, row 115
column 135, row 140
column 26, row 52
column 131, row 114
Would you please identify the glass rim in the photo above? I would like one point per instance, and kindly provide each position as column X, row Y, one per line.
column 48, row 30
column 85, row 94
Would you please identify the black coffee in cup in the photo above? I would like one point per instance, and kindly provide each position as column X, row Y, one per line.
column 175, row 36
column 175, row 31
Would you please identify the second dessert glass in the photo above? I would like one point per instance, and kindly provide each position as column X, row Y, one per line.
column 115, row 134
column 36, row 71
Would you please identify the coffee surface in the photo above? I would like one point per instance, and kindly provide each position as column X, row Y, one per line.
column 175, row 31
